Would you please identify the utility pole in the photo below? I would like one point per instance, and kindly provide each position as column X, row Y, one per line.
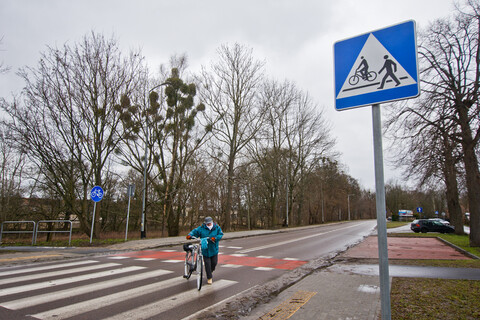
column 348, row 201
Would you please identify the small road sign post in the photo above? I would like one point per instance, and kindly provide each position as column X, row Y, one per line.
column 375, row 67
column 96, row 194
column 420, row 211
column 130, row 193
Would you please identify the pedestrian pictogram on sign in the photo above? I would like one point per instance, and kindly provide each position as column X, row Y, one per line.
column 376, row 67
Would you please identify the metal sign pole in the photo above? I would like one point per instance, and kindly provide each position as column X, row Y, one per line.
column 93, row 221
column 381, row 213
column 130, row 194
column 128, row 214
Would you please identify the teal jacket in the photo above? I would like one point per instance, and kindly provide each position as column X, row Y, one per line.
column 203, row 232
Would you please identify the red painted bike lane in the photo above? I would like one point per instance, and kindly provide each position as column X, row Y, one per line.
column 256, row 262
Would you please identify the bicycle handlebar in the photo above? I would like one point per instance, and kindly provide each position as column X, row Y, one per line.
column 195, row 238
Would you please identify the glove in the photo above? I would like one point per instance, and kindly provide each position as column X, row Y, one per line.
column 213, row 239
column 189, row 237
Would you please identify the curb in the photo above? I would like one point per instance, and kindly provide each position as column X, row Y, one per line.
column 471, row 255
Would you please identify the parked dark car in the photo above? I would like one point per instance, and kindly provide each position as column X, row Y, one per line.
column 425, row 225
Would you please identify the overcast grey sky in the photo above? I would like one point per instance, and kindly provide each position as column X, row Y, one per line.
column 294, row 37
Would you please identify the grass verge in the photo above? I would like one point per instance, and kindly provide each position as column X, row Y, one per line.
column 461, row 241
column 413, row 298
column 396, row 224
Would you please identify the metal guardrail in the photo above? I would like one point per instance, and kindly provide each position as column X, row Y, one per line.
column 33, row 232
column 54, row 231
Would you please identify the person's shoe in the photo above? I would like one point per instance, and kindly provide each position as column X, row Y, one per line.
column 209, row 281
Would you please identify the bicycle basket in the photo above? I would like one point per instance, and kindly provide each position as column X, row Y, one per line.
column 187, row 247
column 204, row 243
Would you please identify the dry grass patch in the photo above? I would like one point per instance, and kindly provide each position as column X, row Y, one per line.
column 435, row 299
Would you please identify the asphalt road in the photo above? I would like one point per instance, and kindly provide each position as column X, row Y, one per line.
column 149, row 284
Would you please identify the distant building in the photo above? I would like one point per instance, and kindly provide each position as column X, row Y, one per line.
column 405, row 213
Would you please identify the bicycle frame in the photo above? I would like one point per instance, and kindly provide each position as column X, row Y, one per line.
column 194, row 262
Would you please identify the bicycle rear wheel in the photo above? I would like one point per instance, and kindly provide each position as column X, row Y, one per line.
column 353, row 80
column 199, row 272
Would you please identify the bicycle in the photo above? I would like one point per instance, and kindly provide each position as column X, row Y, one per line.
column 194, row 261
column 370, row 76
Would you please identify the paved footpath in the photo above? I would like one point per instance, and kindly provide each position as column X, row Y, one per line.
column 351, row 291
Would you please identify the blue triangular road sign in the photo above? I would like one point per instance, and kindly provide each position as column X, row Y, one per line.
column 376, row 67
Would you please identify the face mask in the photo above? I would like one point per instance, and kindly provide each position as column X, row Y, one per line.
column 210, row 226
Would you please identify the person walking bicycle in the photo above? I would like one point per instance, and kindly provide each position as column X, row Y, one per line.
column 214, row 234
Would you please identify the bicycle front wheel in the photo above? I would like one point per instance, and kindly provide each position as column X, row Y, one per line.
column 188, row 266
column 199, row 272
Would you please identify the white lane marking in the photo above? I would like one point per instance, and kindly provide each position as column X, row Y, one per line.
column 291, row 259
column 117, row 257
column 173, row 261
column 145, row 259
column 151, row 310
column 231, row 266
column 195, row 316
column 265, row 257
column 234, row 247
column 263, row 269
column 53, row 283
column 71, row 292
column 71, row 310
column 238, row 255
column 49, row 267
column 57, row 273
column 276, row 244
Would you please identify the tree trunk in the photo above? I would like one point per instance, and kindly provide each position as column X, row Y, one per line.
column 172, row 222
column 472, row 176
column 228, row 207
column 473, row 187
column 453, row 201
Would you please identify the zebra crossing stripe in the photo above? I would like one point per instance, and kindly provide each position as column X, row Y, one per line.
column 68, row 293
column 49, row 267
column 71, row 310
column 56, row 273
column 153, row 309
column 58, row 282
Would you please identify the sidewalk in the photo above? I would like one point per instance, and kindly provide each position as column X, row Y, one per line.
column 335, row 296
column 347, row 290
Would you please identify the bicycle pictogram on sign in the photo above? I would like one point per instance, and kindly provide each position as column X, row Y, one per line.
column 96, row 194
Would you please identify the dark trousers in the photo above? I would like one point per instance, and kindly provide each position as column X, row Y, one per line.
column 210, row 264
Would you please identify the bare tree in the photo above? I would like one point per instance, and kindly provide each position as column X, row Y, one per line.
column 178, row 139
column 295, row 135
column 68, row 121
column 3, row 68
column 269, row 148
column 229, row 88
column 422, row 135
column 308, row 141
column 450, row 53
column 12, row 165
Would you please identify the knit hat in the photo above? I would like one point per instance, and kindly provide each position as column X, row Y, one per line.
column 208, row 220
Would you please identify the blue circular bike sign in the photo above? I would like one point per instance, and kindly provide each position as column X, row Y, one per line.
column 96, row 194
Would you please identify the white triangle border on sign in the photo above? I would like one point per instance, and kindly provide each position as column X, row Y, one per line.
column 374, row 52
